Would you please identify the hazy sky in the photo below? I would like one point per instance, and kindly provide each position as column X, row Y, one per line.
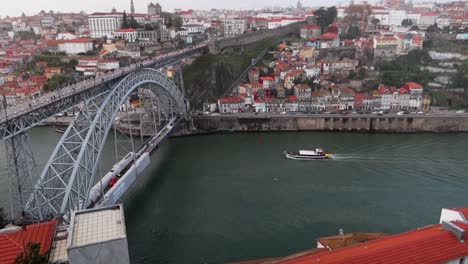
column 30, row 7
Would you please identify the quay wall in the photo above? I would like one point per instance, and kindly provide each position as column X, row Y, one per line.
column 400, row 124
column 217, row 45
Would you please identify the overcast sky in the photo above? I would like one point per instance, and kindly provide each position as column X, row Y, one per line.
column 31, row 7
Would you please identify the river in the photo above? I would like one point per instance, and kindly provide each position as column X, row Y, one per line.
column 228, row 197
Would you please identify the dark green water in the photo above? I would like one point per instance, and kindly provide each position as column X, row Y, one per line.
column 213, row 199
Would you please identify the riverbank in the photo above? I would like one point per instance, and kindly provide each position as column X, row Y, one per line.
column 369, row 123
column 208, row 124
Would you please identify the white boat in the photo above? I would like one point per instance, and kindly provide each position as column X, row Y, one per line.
column 317, row 154
column 59, row 130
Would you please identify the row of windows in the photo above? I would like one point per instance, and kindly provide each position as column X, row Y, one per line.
column 105, row 24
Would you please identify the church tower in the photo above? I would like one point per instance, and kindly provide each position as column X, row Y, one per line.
column 132, row 7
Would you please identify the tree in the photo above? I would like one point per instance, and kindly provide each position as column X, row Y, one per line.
column 133, row 23
column 72, row 63
column 177, row 22
column 353, row 32
column 325, row 17
column 375, row 21
column 331, row 14
column 31, row 255
column 357, row 13
column 148, row 27
column 352, row 75
column 460, row 80
column 407, row 22
column 124, row 20
column 320, row 16
column 432, row 28
column 3, row 218
column 362, row 73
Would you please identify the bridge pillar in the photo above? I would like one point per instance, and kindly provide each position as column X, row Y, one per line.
column 22, row 173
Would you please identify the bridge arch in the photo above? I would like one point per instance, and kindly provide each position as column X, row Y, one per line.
column 70, row 172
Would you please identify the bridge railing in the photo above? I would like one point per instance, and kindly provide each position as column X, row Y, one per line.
column 16, row 119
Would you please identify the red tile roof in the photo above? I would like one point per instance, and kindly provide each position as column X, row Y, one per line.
column 429, row 245
column 311, row 26
column 230, row 100
column 412, row 85
column 464, row 211
column 126, row 30
column 12, row 244
column 329, row 36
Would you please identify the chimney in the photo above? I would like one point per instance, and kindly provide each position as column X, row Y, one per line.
column 340, row 232
column 456, row 230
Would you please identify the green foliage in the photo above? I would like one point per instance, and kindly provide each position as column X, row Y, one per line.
column 167, row 18
column 433, row 28
column 25, row 35
column 3, row 218
column 148, row 27
column 133, row 23
column 56, row 81
column 31, row 255
column 406, row 68
column 352, row 75
column 325, row 17
column 362, row 73
column 357, row 13
column 72, row 63
column 209, row 76
column 52, row 60
column 407, row 22
column 333, row 79
column 352, row 33
column 460, row 80
column 177, row 22
column 125, row 21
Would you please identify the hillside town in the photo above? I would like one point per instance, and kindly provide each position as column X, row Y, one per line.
column 41, row 52
column 334, row 67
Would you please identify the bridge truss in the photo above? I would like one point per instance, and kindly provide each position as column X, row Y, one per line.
column 74, row 165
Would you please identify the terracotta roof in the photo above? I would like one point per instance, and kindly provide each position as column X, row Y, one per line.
column 464, row 211
column 311, row 26
column 413, row 85
column 77, row 40
column 188, row 12
column 328, row 36
column 336, row 242
column 12, row 244
column 403, row 90
column 230, row 100
column 126, row 30
column 429, row 245
column 267, row 78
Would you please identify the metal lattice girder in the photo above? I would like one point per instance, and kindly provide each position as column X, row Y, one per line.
column 34, row 115
column 70, row 172
column 22, row 172
column 17, row 125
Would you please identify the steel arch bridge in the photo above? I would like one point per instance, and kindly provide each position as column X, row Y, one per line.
column 70, row 173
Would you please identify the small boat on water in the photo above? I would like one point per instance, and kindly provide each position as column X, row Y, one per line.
column 59, row 130
column 317, row 154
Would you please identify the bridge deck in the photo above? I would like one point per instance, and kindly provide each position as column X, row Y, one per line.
column 20, row 117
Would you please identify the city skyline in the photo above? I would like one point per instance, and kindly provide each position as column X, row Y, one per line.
column 30, row 7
